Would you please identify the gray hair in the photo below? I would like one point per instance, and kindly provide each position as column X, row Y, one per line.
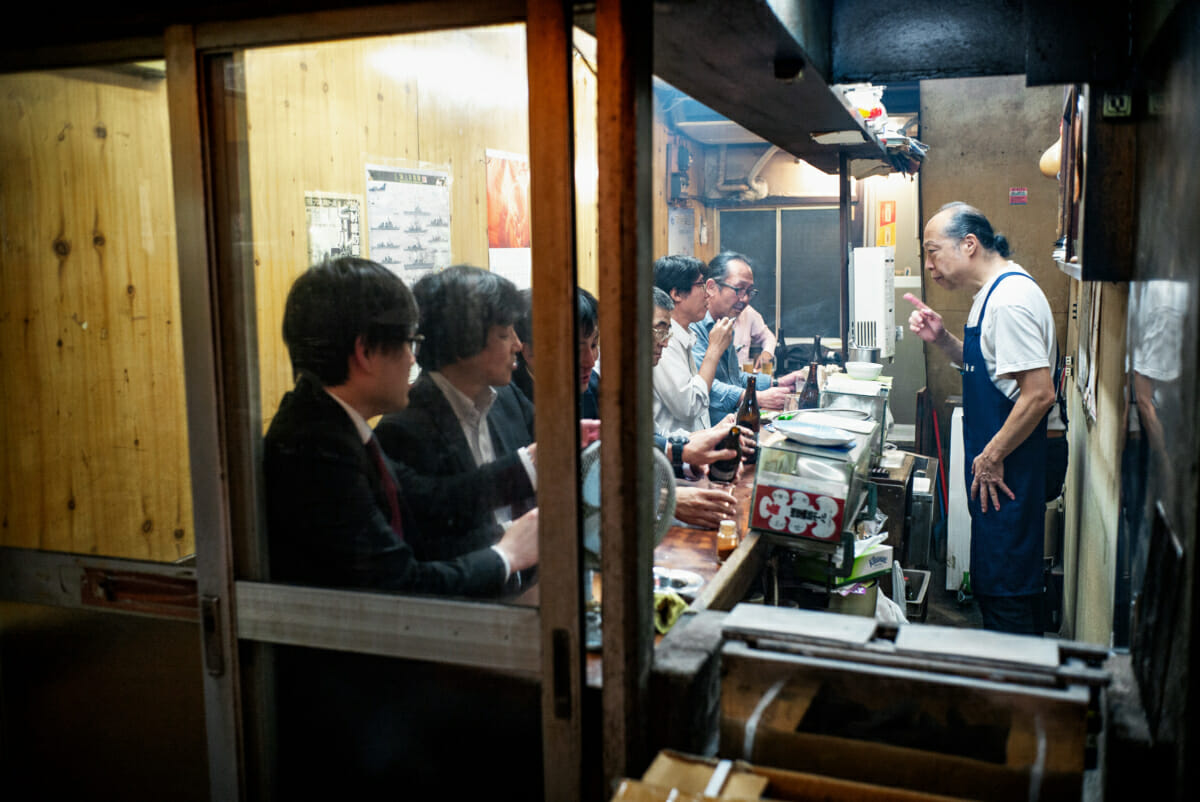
column 966, row 219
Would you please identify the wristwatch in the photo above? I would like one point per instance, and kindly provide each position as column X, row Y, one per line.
column 677, row 442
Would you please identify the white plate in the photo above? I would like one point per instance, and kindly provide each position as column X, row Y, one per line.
column 811, row 434
column 841, row 412
column 686, row 583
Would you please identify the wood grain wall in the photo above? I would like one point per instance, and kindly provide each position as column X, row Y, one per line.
column 318, row 114
column 93, row 428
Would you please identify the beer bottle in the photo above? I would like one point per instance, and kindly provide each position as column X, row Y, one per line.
column 749, row 417
column 810, row 396
column 724, row 470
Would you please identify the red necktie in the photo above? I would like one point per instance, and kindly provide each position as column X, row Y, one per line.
column 389, row 486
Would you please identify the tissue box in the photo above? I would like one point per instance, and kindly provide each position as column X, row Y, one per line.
column 875, row 562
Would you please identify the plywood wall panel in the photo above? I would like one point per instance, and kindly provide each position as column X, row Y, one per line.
column 94, row 434
column 318, row 114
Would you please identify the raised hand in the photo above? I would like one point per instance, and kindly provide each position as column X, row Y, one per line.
column 924, row 322
column 721, row 335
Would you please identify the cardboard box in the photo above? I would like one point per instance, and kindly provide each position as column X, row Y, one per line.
column 677, row 777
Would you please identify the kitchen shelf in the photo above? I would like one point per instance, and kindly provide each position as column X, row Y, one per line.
column 725, row 54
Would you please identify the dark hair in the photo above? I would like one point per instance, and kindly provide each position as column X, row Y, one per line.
column 334, row 303
column 718, row 268
column 677, row 272
column 459, row 307
column 587, row 311
column 524, row 324
column 965, row 220
column 662, row 300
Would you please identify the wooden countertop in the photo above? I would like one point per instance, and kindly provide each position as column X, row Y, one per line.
column 692, row 549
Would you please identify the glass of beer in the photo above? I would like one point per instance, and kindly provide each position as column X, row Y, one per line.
column 768, row 365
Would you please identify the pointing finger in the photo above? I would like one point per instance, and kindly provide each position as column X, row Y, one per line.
column 915, row 301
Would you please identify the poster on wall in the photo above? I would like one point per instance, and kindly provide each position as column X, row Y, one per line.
column 509, row 236
column 334, row 225
column 681, row 232
column 885, row 233
column 408, row 212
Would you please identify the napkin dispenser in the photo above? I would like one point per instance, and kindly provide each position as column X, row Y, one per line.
column 810, row 492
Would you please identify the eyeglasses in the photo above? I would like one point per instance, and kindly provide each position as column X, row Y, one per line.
column 414, row 344
column 661, row 335
column 749, row 293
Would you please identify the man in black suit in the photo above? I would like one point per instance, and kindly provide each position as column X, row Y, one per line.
column 463, row 413
column 337, row 508
column 363, row 726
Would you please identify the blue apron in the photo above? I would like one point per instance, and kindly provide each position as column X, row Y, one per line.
column 1007, row 548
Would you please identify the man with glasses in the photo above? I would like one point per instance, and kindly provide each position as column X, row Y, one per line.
column 729, row 286
column 681, row 386
column 703, row 507
column 337, row 507
column 463, row 413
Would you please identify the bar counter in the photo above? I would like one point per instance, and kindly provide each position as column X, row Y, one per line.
column 691, row 549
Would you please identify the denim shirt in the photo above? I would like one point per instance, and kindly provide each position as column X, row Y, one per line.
column 729, row 380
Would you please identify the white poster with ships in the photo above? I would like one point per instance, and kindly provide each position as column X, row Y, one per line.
column 408, row 214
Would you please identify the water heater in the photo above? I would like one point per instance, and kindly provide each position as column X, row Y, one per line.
column 873, row 299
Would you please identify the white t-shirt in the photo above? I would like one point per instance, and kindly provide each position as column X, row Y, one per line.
column 1018, row 333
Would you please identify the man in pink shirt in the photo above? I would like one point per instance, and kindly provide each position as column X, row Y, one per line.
column 750, row 328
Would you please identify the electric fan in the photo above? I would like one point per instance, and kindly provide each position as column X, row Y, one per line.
column 664, row 512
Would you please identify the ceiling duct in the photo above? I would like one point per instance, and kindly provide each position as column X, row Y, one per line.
column 750, row 188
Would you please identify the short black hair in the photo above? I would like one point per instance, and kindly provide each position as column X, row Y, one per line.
column 587, row 310
column 335, row 302
column 677, row 272
column 524, row 324
column 662, row 300
column 459, row 306
column 966, row 219
column 718, row 268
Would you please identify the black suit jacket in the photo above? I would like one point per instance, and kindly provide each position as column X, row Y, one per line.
column 427, row 439
column 327, row 513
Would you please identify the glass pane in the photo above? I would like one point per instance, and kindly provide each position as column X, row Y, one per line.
column 411, row 152
column 811, row 268
column 753, row 234
column 93, row 428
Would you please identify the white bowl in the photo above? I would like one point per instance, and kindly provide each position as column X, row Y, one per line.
column 864, row 370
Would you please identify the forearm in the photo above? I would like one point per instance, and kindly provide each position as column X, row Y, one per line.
column 723, row 399
column 707, row 369
column 951, row 346
column 1026, row 414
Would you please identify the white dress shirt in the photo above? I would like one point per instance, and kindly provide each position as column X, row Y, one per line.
column 472, row 417
column 680, row 393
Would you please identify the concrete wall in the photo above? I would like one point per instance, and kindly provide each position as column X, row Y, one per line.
column 1092, row 495
column 986, row 136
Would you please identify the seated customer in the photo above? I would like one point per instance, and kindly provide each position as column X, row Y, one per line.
column 730, row 288
column 681, row 386
column 523, row 376
column 587, row 312
column 463, row 414
column 337, row 511
column 703, row 507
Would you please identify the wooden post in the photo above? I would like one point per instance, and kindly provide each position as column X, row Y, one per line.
column 214, row 551
column 624, row 34
column 552, row 160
